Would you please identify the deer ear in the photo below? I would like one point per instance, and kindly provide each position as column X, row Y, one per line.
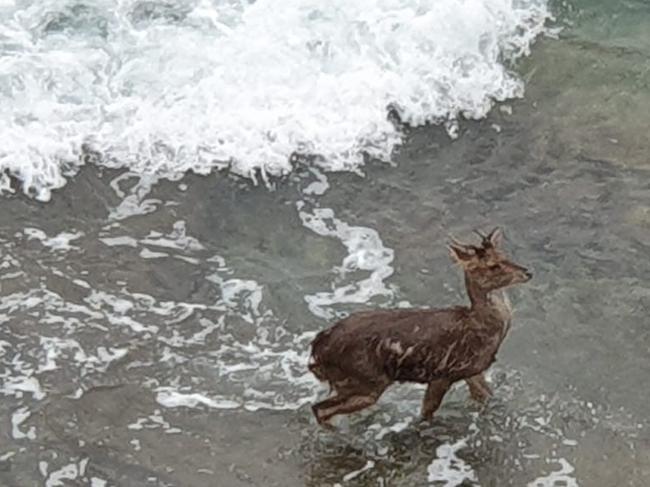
column 459, row 255
column 495, row 237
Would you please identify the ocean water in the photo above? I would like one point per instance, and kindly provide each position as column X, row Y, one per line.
column 166, row 88
column 192, row 189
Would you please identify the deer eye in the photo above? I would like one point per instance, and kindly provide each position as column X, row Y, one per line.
column 494, row 267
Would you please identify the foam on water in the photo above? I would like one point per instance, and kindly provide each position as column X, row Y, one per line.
column 58, row 242
column 17, row 418
column 365, row 253
column 70, row 471
column 171, row 399
column 356, row 473
column 197, row 85
column 564, row 476
column 450, row 470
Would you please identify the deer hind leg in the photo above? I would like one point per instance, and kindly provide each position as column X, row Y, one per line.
column 479, row 389
column 346, row 401
column 436, row 390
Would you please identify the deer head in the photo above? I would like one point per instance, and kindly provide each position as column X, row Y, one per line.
column 485, row 265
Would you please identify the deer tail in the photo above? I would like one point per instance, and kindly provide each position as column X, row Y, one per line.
column 315, row 363
column 316, row 369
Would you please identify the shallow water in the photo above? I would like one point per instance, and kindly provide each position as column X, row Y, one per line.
column 155, row 332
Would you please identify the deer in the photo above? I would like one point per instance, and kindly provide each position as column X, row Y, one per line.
column 361, row 355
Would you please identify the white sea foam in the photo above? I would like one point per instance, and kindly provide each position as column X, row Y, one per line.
column 366, row 253
column 450, row 470
column 71, row 471
column 17, row 418
column 165, row 88
column 58, row 242
column 177, row 239
column 353, row 475
column 171, row 399
column 565, row 476
column 251, row 372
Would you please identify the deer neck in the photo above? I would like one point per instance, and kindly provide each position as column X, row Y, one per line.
column 492, row 306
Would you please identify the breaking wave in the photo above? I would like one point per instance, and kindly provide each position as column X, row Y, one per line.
column 200, row 85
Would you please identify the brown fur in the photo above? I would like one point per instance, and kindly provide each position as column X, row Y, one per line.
column 361, row 355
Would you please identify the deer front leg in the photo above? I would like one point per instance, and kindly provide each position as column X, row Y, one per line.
column 342, row 404
column 436, row 390
column 479, row 389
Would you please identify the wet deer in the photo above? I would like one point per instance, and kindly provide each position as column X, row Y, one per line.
column 363, row 354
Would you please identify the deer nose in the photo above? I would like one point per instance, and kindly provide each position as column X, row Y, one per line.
column 528, row 274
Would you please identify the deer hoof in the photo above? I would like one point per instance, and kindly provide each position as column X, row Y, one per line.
column 426, row 416
column 322, row 422
column 327, row 425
